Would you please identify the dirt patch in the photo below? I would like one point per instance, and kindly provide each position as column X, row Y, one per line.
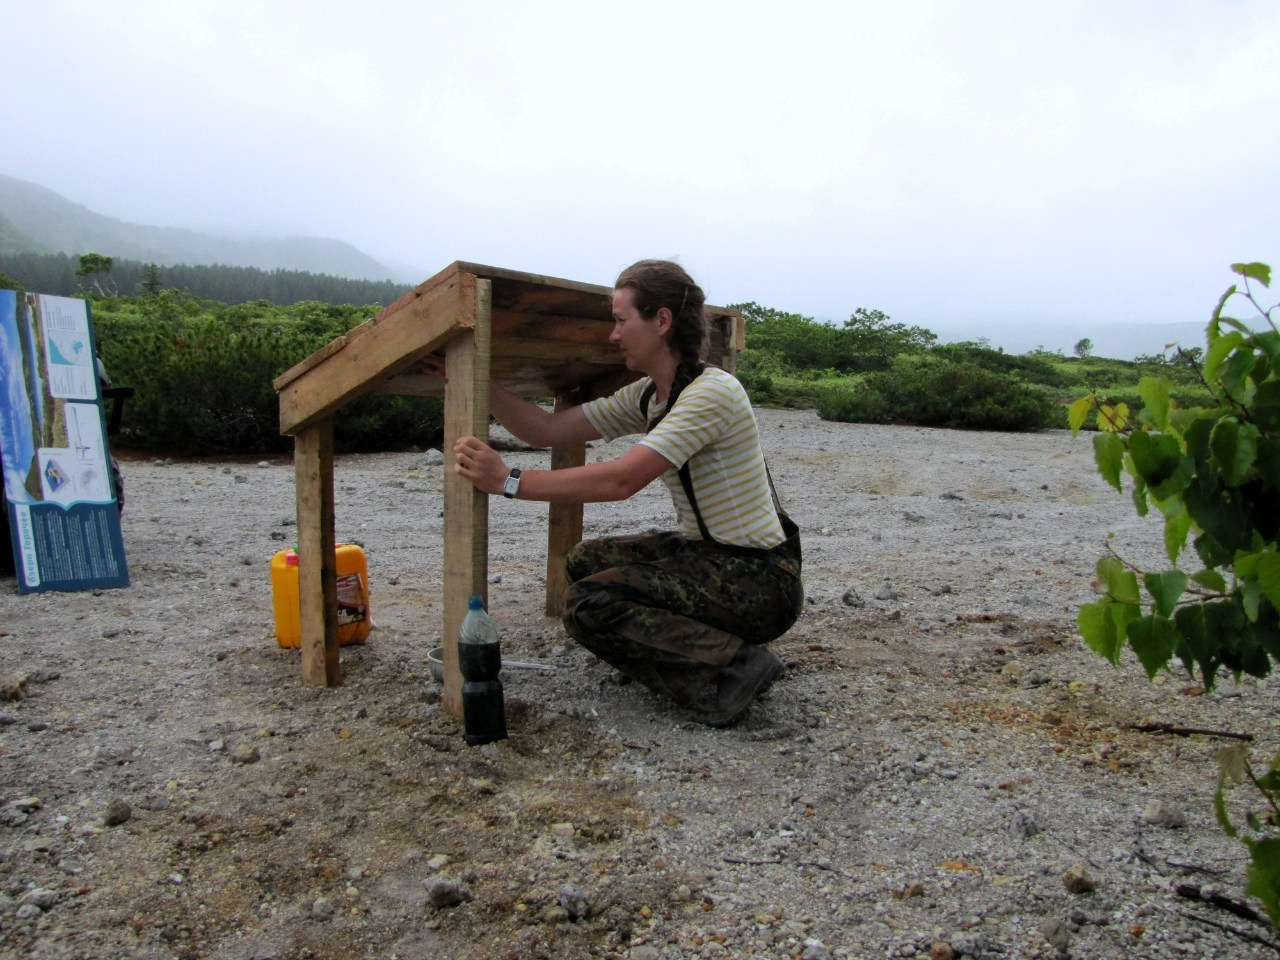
column 938, row 753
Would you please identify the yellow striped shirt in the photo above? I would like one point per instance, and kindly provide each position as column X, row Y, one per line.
column 713, row 428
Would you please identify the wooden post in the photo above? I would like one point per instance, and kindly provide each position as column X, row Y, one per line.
column 317, row 575
column 564, row 520
column 466, row 509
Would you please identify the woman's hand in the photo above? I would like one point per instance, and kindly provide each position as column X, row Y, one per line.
column 476, row 461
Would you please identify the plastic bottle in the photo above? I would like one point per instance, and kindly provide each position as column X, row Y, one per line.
column 480, row 659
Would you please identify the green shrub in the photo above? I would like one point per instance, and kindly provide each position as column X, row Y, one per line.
column 964, row 396
column 799, row 393
column 852, row 401
column 1213, row 472
column 1032, row 369
column 202, row 376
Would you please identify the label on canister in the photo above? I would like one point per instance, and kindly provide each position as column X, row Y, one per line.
column 352, row 605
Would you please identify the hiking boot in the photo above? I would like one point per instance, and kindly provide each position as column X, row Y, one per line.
column 748, row 675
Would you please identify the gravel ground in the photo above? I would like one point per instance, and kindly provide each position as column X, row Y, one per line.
column 942, row 770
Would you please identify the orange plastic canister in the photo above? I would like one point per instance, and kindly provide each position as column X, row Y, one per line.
column 354, row 621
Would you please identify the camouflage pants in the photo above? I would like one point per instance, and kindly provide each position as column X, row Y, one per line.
column 671, row 612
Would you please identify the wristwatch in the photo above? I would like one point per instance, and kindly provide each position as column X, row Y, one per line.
column 511, row 486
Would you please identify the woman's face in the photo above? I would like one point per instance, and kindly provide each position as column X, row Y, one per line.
column 640, row 340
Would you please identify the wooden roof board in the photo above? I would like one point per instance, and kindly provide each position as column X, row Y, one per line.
column 549, row 337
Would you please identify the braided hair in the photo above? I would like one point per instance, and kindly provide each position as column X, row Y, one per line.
column 655, row 284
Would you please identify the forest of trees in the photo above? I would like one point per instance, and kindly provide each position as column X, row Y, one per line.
column 64, row 275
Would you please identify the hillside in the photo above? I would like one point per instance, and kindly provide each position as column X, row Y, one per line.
column 34, row 219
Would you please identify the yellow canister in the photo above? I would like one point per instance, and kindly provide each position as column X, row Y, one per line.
column 353, row 617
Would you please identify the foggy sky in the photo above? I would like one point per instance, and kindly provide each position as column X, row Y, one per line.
column 961, row 166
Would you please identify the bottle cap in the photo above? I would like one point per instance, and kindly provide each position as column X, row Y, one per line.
column 290, row 558
column 476, row 602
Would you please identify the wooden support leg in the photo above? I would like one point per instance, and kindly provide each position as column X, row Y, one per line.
column 466, row 509
column 317, row 583
column 564, row 521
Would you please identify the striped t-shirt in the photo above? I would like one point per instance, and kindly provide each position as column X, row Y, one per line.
column 712, row 427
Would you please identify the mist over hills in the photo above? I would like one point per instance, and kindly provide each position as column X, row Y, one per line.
column 1118, row 340
column 35, row 219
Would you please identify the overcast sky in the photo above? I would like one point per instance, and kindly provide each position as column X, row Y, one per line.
column 957, row 165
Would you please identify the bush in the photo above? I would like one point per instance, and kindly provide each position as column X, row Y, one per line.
column 1032, row 369
column 852, row 401
column 1213, row 472
column 202, row 376
column 945, row 394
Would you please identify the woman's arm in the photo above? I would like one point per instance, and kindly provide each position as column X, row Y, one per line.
column 537, row 426
column 525, row 419
column 595, row 483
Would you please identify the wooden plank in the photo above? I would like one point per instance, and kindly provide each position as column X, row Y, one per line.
column 395, row 342
column 317, row 575
column 557, row 352
column 513, row 324
column 466, row 509
column 564, row 520
column 521, row 279
column 302, row 366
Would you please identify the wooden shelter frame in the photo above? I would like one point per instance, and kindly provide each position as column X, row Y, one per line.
column 541, row 337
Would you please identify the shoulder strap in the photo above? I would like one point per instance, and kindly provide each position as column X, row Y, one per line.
column 645, row 396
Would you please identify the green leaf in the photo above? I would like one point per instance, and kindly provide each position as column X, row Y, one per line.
column 1221, row 518
column 1108, row 454
column 1219, row 347
column 1235, row 375
column 1253, row 271
column 1217, row 315
column 1235, row 448
column 1155, row 399
column 1078, row 412
column 1264, row 875
column 1166, row 589
column 1121, row 615
column 1121, row 584
column 1269, row 577
column 1197, row 632
column 1140, row 496
column 1113, row 419
column 1268, row 341
column 1176, row 529
column 1210, row 580
column 1159, row 460
column 1153, row 639
column 1265, row 408
column 1096, row 627
column 1250, row 599
column 1233, row 763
